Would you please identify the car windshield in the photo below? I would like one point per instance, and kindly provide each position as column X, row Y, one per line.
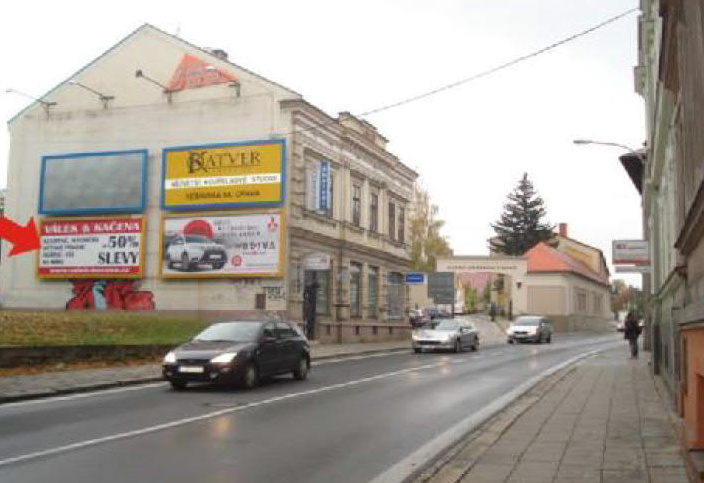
column 527, row 321
column 231, row 332
column 196, row 239
column 447, row 325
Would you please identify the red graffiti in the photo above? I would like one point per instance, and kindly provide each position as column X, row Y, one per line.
column 109, row 295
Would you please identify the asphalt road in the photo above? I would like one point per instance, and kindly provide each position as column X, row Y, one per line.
column 350, row 421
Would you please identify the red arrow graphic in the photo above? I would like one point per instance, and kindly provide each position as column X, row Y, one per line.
column 23, row 238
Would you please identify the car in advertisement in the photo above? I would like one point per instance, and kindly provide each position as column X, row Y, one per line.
column 192, row 251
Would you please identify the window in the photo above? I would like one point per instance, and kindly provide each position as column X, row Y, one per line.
column 402, row 224
column 395, row 294
column 355, row 290
column 374, row 212
column 392, row 221
column 356, row 204
column 372, row 291
column 580, row 300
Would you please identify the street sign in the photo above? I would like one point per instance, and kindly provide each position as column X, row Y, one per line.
column 415, row 278
column 441, row 287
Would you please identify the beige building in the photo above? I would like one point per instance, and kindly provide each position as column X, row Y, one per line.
column 232, row 193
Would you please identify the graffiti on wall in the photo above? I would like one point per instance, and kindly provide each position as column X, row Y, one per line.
column 109, row 295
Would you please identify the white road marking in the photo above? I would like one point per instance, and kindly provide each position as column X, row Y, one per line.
column 203, row 417
column 87, row 394
column 80, row 395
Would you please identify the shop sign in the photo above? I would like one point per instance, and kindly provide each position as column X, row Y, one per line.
column 224, row 175
column 635, row 252
column 317, row 261
column 642, row 269
column 202, row 246
column 91, row 248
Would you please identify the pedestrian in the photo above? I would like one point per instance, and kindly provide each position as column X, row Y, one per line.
column 492, row 311
column 631, row 331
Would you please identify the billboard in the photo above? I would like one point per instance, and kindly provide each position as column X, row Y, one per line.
column 634, row 252
column 205, row 245
column 223, row 175
column 103, row 182
column 441, row 287
column 109, row 247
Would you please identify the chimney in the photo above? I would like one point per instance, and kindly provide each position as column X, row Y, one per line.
column 563, row 230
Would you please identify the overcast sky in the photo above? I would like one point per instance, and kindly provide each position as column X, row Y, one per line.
column 470, row 144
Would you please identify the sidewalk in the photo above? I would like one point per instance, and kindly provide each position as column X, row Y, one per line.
column 601, row 421
column 55, row 383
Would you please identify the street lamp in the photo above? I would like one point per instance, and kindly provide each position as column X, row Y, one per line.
column 603, row 143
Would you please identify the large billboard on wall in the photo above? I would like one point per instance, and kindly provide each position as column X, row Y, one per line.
column 105, row 247
column 224, row 175
column 228, row 245
column 102, row 182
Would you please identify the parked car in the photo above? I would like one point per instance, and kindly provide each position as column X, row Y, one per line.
column 450, row 334
column 530, row 328
column 191, row 251
column 431, row 312
column 417, row 318
column 444, row 314
column 239, row 353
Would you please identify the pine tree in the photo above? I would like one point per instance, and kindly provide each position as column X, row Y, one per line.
column 520, row 228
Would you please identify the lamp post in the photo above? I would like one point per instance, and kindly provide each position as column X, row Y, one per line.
column 642, row 157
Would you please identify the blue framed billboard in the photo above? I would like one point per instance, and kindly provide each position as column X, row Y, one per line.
column 99, row 182
column 225, row 175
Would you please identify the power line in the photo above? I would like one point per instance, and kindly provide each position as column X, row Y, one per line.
column 483, row 74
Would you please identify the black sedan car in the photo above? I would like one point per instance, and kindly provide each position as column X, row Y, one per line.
column 239, row 353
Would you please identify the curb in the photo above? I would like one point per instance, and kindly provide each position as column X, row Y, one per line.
column 46, row 393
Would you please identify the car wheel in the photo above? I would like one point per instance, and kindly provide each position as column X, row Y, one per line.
column 250, row 376
column 416, row 350
column 475, row 346
column 510, row 341
column 458, row 346
column 178, row 385
column 301, row 371
column 185, row 262
column 549, row 339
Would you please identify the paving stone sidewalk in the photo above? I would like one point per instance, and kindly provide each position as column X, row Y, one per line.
column 603, row 422
column 55, row 383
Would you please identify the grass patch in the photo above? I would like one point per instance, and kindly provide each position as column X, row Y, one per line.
column 95, row 328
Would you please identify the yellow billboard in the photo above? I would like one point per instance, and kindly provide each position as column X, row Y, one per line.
column 224, row 175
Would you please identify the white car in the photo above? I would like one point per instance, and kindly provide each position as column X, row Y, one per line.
column 530, row 328
column 449, row 334
column 190, row 251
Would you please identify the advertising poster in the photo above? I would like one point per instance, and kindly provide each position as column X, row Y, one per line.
column 87, row 183
column 224, row 175
column 223, row 246
column 91, row 248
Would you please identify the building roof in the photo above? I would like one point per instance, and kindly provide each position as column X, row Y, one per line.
column 542, row 258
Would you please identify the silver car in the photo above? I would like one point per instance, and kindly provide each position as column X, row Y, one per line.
column 449, row 334
column 530, row 328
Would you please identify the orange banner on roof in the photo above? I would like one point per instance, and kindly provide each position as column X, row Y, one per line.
column 193, row 72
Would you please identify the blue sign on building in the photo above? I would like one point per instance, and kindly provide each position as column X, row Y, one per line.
column 324, row 195
column 415, row 278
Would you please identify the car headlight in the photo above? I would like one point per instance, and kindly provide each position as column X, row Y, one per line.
column 170, row 358
column 224, row 358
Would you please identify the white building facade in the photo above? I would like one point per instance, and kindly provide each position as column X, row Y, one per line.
column 165, row 177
